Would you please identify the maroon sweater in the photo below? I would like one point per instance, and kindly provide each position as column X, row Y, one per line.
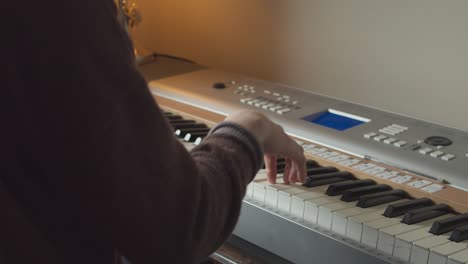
column 88, row 165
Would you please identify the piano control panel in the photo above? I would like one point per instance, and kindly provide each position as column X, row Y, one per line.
column 436, row 152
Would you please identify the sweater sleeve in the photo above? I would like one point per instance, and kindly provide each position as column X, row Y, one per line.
column 97, row 148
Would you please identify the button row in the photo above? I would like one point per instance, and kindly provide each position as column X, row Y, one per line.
column 385, row 139
column 267, row 104
column 437, row 154
column 281, row 97
column 400, row 143
column 245, row 90
column 393, row 129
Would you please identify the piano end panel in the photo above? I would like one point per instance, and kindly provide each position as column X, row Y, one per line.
column 286, row 239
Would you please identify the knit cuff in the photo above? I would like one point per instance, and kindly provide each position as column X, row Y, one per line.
column 235, row 130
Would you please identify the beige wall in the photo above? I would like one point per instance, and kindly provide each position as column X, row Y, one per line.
column 404, row 56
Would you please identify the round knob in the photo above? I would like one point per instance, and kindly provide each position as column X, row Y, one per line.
column 219, row 85
column 438, row 141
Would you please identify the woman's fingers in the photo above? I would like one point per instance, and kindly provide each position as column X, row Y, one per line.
column 270, row 166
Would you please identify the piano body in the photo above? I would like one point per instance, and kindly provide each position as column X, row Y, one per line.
column 382, row 188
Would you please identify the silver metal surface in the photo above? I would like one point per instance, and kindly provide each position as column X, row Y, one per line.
column 196, row 89
column 300, row 243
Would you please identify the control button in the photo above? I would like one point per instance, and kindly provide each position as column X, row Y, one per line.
column 438, row 141
column 245, row 100
column 274, row 108
column 400, row 143
column 253, row 101
column 283, row 111
column 240, row 88
column 425, row 151
column 295, row 102
column 267, row 106
column 403, row 128
column 390, row 140
column 437, row 154
column 219, row 85
column 380, row 138
column 262, row 102
column 388, row 131
column 370, row 135
column 448, row 157
column 276, row 94
column 267, row 92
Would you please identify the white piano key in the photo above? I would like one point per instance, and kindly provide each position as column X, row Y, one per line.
column 261, row 176
column 325, row 218
column 458, row 258
column 387, row 236
column 404, row 243
column 259, row 191
column 440, row 254
column 370, row 232
column 340, row 217
column 356, row 224
column 298, row 201
column 421, row 248
column 271, row 195
column 285, row 198
column 311, row 208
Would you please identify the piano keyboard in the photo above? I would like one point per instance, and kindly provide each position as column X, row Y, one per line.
column 370, row 213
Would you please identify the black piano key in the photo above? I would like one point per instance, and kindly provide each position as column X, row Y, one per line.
column 399, row 209
column 356, row 193
column 176, row 126
column 459, row 234
column 278, row 161
column 311, row 164
column 379, row 198
column 328, row 178
column 192, row 137
column 183, row 131
column 181, row 121
column 320, row 170
column 174, row 117
column 426, row 213
column 341, row 187
column 280, row 166
column 449, row 224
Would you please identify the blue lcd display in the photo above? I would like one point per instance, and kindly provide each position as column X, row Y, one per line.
column 335, row 120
